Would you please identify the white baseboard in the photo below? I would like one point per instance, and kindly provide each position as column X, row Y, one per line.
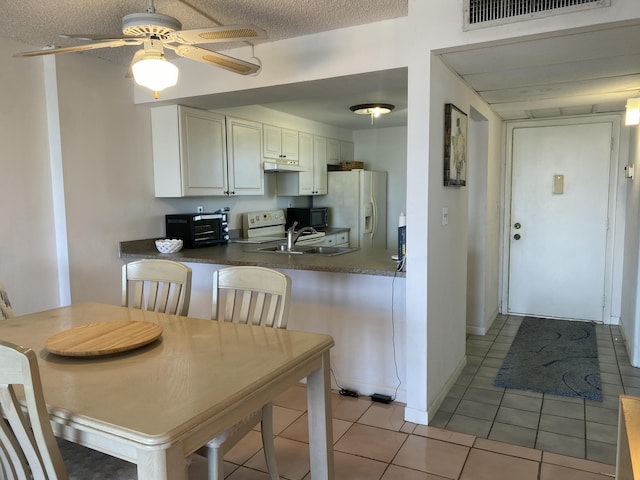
column 416, row 416
column 435, row 404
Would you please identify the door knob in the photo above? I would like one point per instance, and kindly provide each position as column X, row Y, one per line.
column 516, row 236
column 517, row 226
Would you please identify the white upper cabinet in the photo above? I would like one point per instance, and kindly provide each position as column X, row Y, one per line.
column 189, row 151
column 244, row 143
column 313, row 180
column 280, row 143
column 320, row 145
column 201, row 153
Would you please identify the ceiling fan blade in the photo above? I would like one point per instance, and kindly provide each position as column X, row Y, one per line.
column 81, row 48
column 229, row 33
column 217, row 59
column 94, row 37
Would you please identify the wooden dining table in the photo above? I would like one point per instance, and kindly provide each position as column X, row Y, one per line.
column 158, row 403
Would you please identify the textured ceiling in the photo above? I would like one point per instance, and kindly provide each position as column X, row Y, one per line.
column 39, row 22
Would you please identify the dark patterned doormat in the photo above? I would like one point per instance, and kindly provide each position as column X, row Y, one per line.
column 553, row 356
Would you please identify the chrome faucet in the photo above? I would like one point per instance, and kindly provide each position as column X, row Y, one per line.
column 292, row 235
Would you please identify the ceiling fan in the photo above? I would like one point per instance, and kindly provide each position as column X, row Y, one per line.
column 156, row 31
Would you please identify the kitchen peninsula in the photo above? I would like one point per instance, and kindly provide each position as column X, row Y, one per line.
column 362, row 261
column 358, row 298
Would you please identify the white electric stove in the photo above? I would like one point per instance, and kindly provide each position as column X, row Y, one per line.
column 268, row 226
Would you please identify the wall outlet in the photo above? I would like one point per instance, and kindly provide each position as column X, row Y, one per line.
column 200, row 209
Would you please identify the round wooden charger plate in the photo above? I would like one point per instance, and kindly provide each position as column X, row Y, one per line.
column 103, row 338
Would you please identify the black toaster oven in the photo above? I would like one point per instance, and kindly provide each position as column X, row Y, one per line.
column 198, row 229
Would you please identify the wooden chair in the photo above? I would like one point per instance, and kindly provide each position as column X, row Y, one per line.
column 254, row 296
column 5, row 306
column 28, row 446
column 157, row 285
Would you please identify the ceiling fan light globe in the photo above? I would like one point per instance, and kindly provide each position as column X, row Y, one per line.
column 156, row 74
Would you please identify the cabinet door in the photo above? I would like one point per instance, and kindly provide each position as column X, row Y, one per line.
column 329, row 240
column 189, row 151
column 280, row 143
column 289, row 142
column 342, row 239
column 272, row 141
column 333, row 151
column 203, row 152
column 319, row 166
column 320, row 172
column 245, row 174
column 306, row 178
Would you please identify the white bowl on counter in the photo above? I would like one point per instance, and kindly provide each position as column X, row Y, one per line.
column 169, row 245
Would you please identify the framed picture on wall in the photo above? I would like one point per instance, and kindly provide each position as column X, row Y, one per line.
column 455, row 146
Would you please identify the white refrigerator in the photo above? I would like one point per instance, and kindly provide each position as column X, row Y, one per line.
column 357, row 199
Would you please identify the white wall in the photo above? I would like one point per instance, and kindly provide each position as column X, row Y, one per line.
column 28, row 264
column 448, row 244
column 478, row 171
column 630, row 314
column 385, row 150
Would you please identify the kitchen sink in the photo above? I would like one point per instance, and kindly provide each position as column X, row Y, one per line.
column 308, row 250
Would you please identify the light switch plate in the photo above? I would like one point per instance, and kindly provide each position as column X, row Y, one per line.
column 445, row 216
column 558, row 184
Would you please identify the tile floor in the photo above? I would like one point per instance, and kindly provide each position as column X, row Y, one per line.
column 373, row 442
column 563, row 425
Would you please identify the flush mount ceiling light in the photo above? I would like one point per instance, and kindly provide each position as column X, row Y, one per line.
column 633, row 112
column 152, row 70
column 372, row 109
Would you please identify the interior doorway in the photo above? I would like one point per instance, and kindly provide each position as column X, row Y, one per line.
column 557, row 232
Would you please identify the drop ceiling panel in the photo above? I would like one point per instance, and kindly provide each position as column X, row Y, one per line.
column 627, row 83
column 599, row 68
column 582, row 46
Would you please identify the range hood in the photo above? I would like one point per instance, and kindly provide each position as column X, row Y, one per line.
column 282, row 167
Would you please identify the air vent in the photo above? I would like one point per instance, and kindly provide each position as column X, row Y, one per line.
column 485, row 13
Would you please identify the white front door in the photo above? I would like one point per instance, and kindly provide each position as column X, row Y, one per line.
column 558, row 228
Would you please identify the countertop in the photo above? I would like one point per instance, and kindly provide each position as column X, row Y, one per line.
column 363, row 261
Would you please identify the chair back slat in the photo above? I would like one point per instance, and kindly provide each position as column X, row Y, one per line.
column 259, row 311
column 157, row 285
column 28, row 444
column 251, row 295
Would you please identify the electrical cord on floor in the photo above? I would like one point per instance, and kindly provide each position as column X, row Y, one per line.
column 341, row 390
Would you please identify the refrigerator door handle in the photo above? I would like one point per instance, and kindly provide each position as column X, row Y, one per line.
column 374, row 219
